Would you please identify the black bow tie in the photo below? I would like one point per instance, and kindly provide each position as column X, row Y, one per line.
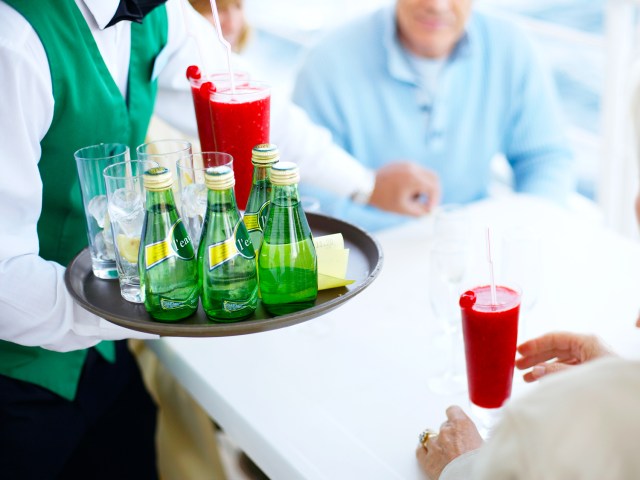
column 134, row 10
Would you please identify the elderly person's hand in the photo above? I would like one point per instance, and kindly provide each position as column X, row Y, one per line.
column 458, row 435
column 407, row 188
column 557, row 351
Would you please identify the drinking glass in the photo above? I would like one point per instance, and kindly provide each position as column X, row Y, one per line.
column 166, row 153
column 126, row 196
column 446, row 273
column 193, row 191
column 91, row 161
column 240, row 120
column 201, row 86
column 490, row 332
column 448, row 264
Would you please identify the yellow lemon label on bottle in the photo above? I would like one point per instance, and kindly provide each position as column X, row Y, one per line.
column 251, row 221
column 155, row 253
column 239, row 243
column 177, row 244
column 257, row 221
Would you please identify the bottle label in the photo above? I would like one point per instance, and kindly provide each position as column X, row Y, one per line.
column 257, row 221
column 238, row 244
column 168, row 304
column 233, row 306
column 177, row 244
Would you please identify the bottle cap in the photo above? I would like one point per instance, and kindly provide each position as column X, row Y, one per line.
column 265, row 154
column 285, row 173
column 157, row 178
column 219, row 178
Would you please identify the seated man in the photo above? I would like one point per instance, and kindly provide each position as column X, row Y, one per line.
column 435, row 84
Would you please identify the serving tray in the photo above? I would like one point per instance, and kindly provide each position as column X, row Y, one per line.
column 103, row 298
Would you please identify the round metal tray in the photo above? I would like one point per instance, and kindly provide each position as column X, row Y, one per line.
column 103, row 298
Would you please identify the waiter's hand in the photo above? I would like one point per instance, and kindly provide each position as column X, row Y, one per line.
column 457, row 435
column 407, row 188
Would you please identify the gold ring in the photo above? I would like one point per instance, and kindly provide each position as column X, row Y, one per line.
column 426, row 435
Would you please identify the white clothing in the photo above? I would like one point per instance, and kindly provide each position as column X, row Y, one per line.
column 36, row 309
column 582, row 424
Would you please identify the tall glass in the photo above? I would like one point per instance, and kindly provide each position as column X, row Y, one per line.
column 91, row 161
column 201, row 87
column 125, row 195
column 490, row 336
column 240, row 121
column 446, row 273
column 166, row 153
column 193, row 190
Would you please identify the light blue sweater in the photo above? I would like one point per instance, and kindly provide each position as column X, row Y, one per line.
column 492, row 96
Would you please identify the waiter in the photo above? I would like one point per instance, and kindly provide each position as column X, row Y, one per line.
column 75, row 73
column 72, row 74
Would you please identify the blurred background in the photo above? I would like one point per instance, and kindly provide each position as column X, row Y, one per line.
column 590, row 45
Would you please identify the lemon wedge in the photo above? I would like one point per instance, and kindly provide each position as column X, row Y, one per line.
column 128, row 247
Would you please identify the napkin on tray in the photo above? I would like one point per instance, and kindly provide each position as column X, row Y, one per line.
column 332, row 261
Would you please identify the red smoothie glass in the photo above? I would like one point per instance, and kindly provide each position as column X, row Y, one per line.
column 201, row 87
column 490, row 335
column 240, row 121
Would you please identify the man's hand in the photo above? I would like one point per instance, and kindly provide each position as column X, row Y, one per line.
column 557, row 351
column 457, row 435
column 407, row 188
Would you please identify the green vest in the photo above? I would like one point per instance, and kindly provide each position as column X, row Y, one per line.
column 89, row 109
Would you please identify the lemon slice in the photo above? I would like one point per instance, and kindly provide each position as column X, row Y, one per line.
column 128, row 247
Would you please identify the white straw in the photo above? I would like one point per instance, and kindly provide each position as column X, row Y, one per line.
column 223, row 41
column 494, row 299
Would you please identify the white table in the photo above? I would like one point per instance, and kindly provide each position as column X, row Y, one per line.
column 344, row 396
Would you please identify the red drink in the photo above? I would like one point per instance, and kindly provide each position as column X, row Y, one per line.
column 490, row 336
column 240, row 121
column 201, row 87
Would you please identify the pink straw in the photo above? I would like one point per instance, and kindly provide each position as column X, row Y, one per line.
column 494, row 299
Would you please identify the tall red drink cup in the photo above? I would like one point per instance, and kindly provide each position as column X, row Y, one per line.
column 490, row 335
column 201, row 87
column 240, row 121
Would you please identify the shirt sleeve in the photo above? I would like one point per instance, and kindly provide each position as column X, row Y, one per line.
column 536, row 145
column 35, row 307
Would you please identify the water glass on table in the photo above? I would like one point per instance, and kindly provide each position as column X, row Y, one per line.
column 447, row 269
column 91, row 161
column 490, row 331
column 192, row 190
column 126, row 197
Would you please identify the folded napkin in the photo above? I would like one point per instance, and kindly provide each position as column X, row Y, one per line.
column 332, row 261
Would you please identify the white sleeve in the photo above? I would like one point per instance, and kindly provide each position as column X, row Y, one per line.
column 460, row 467
column 35, row 307
column 322, row 163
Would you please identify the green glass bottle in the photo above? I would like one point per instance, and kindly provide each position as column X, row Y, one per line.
column 287, row 263
column 263, row 156
column 226, row 258
column 167, row 262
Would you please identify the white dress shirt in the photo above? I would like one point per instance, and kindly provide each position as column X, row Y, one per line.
column 35, row 307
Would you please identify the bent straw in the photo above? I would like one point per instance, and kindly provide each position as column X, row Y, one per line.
column 494, row 299
column 223, row 41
